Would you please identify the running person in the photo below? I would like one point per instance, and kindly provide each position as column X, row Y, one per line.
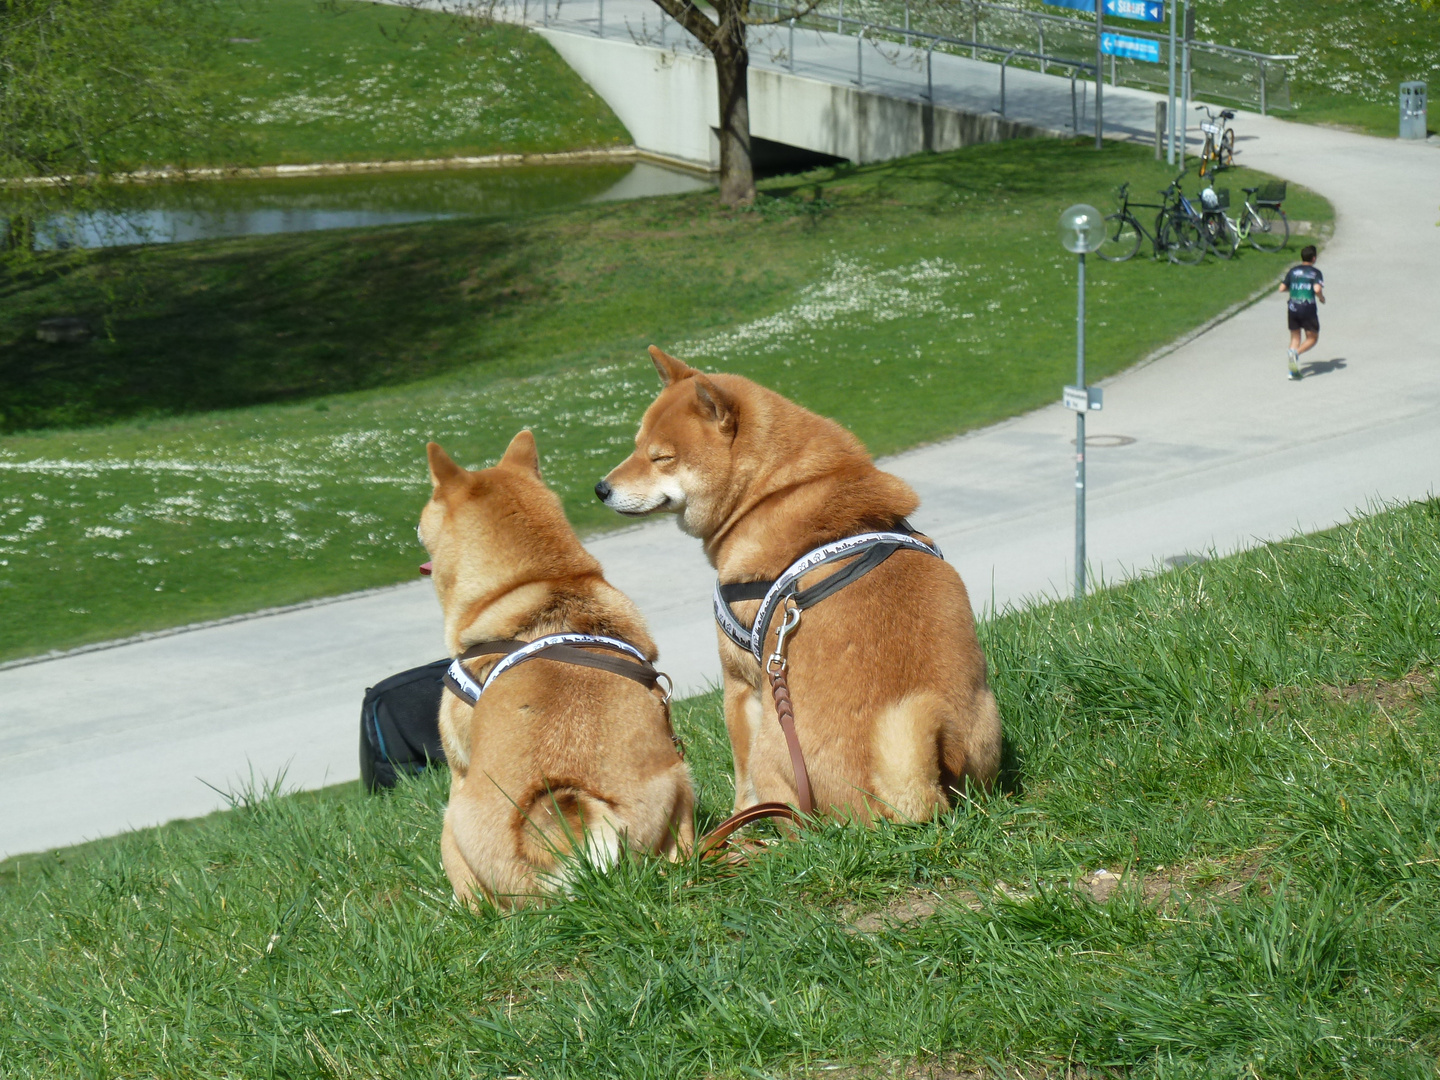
column 1306, row 285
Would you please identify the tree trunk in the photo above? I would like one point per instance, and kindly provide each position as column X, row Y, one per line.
column 18, row 234
column 732, row 70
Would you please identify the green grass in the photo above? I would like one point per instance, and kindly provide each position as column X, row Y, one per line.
column 917, row 299
column 1250, row 743
column 304, row 81
column 1352, row 54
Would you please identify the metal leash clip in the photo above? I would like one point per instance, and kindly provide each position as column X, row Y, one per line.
column 776, row 664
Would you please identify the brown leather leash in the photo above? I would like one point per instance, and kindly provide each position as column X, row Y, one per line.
column 716, row 841
column 776, row 667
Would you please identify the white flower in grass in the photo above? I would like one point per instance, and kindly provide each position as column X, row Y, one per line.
column 851, row 293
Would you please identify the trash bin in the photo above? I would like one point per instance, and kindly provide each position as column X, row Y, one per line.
column 1412, row 110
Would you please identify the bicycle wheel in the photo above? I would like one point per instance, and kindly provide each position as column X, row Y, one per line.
column 1269, row 229
column 1122, row 238
column 1183, row 242
column 1218, row 237
column 1207, row 157
column 1227, row 149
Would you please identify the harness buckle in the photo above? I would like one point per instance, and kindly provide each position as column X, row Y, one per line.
column 776, row 664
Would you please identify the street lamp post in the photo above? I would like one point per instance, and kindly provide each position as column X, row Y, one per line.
column 1082, row 228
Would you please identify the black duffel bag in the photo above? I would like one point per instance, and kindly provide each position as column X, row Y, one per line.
column 400, row 726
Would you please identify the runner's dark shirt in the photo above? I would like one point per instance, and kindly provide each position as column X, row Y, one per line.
column 1301, row 281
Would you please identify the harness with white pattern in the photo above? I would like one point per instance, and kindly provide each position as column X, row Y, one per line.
column 565, row 648
column 872, row 549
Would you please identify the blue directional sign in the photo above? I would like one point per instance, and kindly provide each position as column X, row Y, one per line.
column 1139, row 10
column 1132, row 48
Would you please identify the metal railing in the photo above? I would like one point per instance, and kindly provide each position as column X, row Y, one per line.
column 1253, row 87
column 874, row 32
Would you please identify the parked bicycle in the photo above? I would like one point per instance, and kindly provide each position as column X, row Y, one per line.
column 1262, row 223
column 1177, row 230
column 1211, row 233
column 1221, row 235
column 1219, row 149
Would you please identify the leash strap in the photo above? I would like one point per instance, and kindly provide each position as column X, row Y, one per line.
column 785, row 711
column 564, row 648
column 714, row 843
column 872, row 548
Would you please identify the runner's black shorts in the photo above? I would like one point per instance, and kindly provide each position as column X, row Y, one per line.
column 1307, row 318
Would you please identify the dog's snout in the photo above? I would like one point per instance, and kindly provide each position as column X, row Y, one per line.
column 602, row 490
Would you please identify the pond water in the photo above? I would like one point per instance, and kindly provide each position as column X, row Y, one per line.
column 205, row 209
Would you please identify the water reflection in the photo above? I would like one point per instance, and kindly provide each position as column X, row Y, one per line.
column 208, row 209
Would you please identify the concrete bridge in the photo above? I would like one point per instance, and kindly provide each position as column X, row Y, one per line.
column 819, row 92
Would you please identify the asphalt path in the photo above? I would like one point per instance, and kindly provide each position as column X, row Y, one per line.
column 1205, row 450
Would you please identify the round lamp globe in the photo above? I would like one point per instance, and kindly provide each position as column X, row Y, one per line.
column 1082, row 229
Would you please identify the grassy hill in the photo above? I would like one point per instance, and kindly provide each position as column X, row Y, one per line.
column 1215, row 855
column 308, row 81
column 1352, row 54
column 910, row 300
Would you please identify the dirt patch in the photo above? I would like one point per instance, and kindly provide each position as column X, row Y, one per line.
column 1389, row 694
column 1392, row 695
column 944, row 1068
column 1204, row 881
column 911, row 906
column 1207, row 881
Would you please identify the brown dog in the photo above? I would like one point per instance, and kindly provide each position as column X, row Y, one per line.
column 888, row 681
column 553, row 757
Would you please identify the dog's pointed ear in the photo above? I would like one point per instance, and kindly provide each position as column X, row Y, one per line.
column 671, row 370
column 522, row 453
column 442, row 469
column 715, row 404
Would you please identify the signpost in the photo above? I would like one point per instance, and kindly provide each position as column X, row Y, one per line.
column 1170, row 116
column 1152, row 11
column 1099, row 75
column 1188, row 18
column 1132, row 48
column 1082, row 229
column 1139, row 10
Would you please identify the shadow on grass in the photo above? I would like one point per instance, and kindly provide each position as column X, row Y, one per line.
column 251, row 322
column 1012, row 768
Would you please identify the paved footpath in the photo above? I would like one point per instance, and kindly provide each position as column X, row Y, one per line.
column 1225, row 453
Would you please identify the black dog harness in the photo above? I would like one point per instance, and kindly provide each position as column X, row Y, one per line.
column 871, row 548
column 565, row 648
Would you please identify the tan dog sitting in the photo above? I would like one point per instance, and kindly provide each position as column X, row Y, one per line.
column 892, row 708
column 553, row 757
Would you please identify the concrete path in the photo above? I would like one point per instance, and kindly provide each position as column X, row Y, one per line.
column 1226, row 453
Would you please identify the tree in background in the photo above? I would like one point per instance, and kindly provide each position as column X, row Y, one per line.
column 724, row 37
column 93, row 88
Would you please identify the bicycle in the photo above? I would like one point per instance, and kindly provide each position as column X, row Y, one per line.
column 1219, row 150
column 1262, row 222
column 1210, row 230
column 1222, row 234
column 1176, row 234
